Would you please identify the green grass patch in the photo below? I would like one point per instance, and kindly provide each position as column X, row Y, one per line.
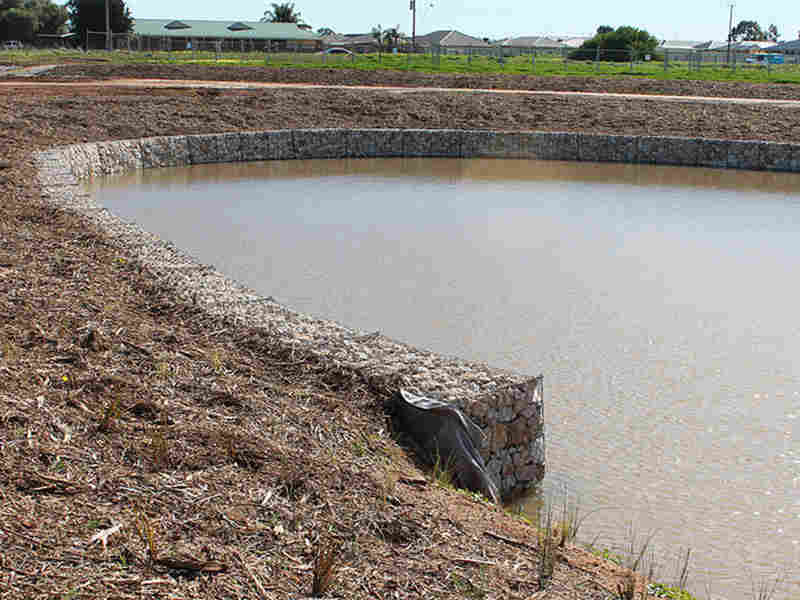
column 543, row 65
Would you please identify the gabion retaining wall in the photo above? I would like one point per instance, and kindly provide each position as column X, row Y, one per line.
column 507, row 406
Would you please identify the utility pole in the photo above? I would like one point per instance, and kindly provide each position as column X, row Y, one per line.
column 108, row 25
column 413, row 8
column 730, row 33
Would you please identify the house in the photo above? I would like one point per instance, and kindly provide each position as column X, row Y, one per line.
column 738, row 47
column 355, row 42
column 751, row 47
column 530, row 45
column 790, row 47
column 679, row 49
column 537, row 42
column 575, row 41
column 450, row 41
column 712, row 46
column 679, row 45
column 167, row 34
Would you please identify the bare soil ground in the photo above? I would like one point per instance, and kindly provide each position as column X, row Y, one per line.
column 149, row 451
column 623, row 85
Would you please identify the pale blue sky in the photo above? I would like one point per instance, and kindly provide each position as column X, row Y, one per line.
column 671, row 19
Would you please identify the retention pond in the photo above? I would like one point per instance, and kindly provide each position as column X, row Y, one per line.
column 659, row 302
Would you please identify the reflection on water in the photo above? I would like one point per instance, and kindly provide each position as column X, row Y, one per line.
column 660, row 302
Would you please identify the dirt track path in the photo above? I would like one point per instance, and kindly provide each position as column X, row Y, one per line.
column 253, row 85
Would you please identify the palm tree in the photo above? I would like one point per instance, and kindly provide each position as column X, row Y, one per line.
column 282, row 13
column 377, row 33
column 391, row 37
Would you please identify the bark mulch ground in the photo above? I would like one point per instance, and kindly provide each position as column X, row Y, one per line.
column 150, row 451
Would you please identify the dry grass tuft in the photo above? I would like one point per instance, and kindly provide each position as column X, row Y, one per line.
column 325, row 565
column 110, row 413
column 147, row 535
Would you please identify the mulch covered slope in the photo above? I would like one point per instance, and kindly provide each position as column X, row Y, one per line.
column 147, row 450
column 626, row 85
column 57, row 115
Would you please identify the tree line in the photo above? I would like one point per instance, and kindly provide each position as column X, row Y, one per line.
column 619, row 44
column 23, row 20
column 751, row 31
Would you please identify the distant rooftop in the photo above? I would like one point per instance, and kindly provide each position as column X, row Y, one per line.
column 450, row 37
column 221, row 29
column 790, row 46
column 536, row 41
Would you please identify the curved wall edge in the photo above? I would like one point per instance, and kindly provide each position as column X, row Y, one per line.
column 507, row 406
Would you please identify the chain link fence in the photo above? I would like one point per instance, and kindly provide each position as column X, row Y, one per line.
column 467, row 59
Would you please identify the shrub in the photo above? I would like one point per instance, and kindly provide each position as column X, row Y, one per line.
column 617, row 45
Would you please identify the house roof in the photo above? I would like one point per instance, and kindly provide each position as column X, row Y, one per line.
column 345, row 40
column 714, row 45
column 221, row 29
column 680, row 44
column 451, row 38
column 784, row 46
column 575, row 41
column 759, row 45
column 738, row 46
column 534, row 42
column 433, row 38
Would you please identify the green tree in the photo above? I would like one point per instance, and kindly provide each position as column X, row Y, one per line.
column 24, row 19
column 17, row 24
column 323, row 31
column 51, row 18
column 772, row 33
column 282, row 13
column 617, row 45
column 391, row 37
column 377, row 33
column 90, row 15
column 604, row 29
column 748, row 31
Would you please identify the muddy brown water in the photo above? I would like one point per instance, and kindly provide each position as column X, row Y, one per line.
column 661, row 303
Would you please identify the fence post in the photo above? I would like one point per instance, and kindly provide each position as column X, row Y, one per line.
column 666, row 60
column 596, row 59
column 631, row 55
column 533, row 61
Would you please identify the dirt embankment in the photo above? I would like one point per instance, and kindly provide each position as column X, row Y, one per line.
column 147, row 449
column 45, row 116
column 328, row 76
